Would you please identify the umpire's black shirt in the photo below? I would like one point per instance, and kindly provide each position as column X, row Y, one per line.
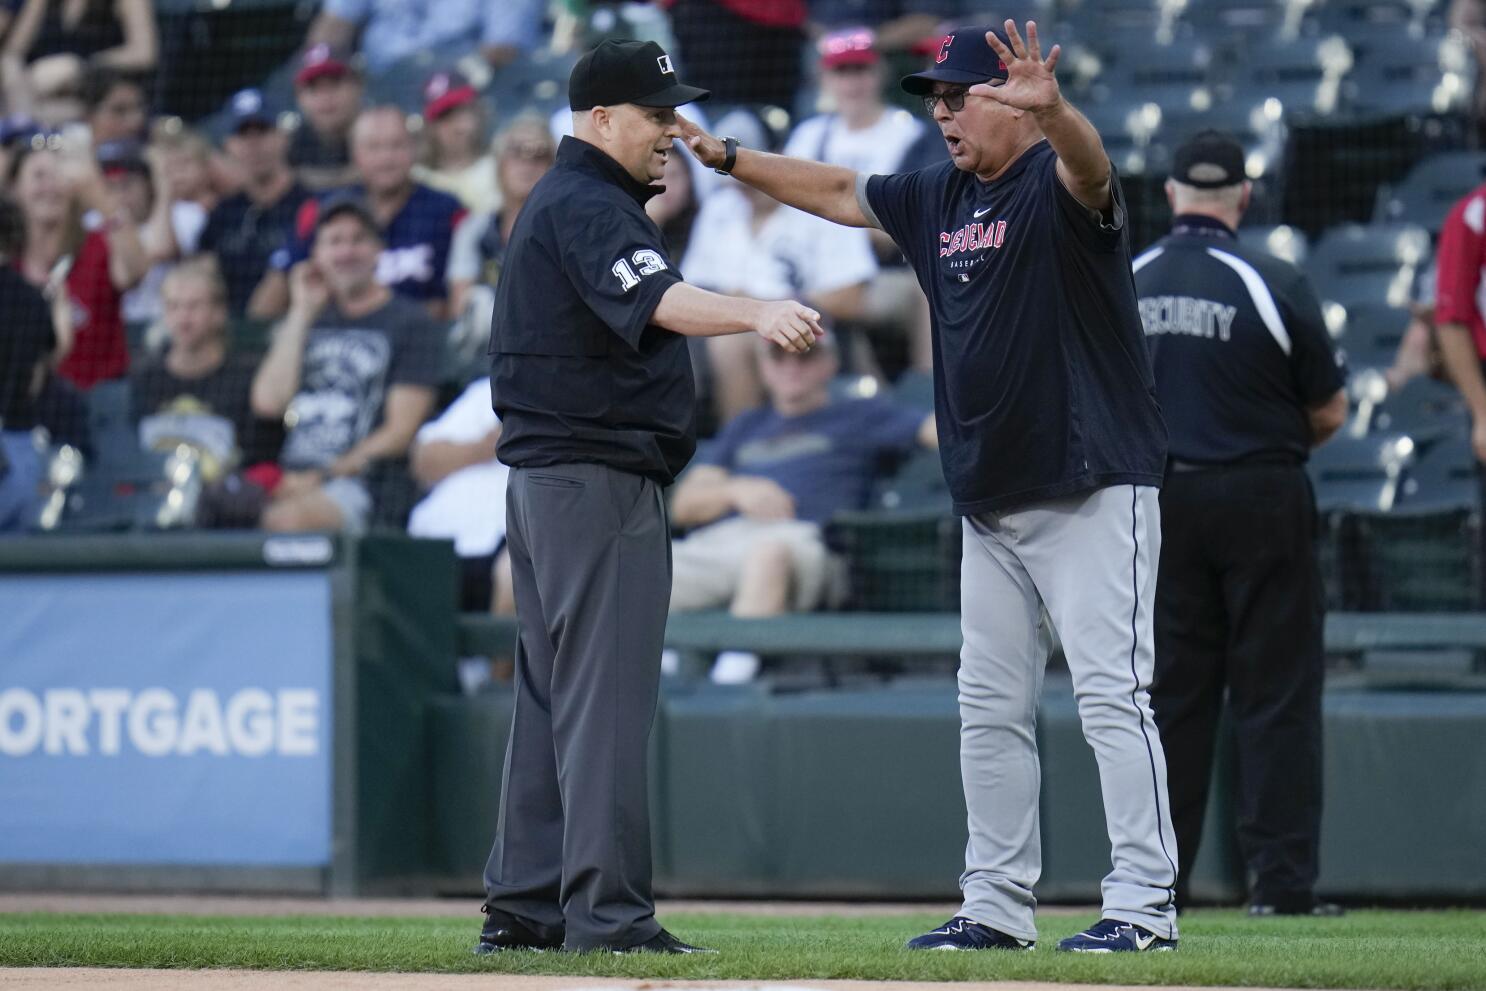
column 1238, row 343
column 578, row 372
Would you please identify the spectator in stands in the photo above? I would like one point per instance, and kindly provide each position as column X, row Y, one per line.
column 28, row 343
column 755, row 247
column 454, row 459
column 247, row 229
column 675, row 210
column 864, row 134
column 168, row 228
column 1459, row 321
column 744, row 51
column 392, row 30
column 329, row 93
column 523, row 152
column 185, row 163
column 197, row 393
column 1469, row 18
column 417, row 222
column 896, row 25
column 759, row 494
column 455, row 159
column 354, row 364
column 54, row 45
column 117, row 106
column 83, row 245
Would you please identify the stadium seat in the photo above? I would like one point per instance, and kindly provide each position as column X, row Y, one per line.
column 899, row 562
column 1280, row 240
column 1304, row 74
column 917, row 486
column 1375, row 22
column 1360, row 473
column 1426, row 410
column 1361, row 263
column 1433, row 74
column 1431, row 189
column 1246, row 21
column 1371, row 334
column 1425, row 561
column 915, row 389
column 1446, row 476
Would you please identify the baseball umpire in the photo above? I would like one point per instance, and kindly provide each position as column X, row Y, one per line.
column 1249, row 382
column 1053, row 448
column 593, row 383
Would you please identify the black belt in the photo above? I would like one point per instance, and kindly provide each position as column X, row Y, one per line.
column 1178, row 466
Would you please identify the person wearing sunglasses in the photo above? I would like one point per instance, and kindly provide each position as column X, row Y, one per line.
column 1053, row 448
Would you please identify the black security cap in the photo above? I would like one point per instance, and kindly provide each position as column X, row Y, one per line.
column 348, row 203
column 964, row 58
column 1209, row 160
column 637, row 72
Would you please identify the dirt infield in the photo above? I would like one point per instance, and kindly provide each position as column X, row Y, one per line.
column 257, row 980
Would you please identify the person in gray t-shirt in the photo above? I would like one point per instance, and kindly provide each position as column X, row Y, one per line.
column 352, row 371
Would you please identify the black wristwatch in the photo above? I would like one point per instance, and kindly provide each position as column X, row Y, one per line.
column 730, row 145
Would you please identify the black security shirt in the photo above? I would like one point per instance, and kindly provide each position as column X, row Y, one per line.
column 1238, row 343
column 578, row 371
column 1042, row 384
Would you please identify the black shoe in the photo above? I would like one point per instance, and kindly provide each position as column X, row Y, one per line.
column 503, row 931
column 1315, row 908
column 664, row 942
column 961, row 933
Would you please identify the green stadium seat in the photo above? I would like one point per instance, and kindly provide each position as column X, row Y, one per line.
column 899, row 562
column 1420, row 561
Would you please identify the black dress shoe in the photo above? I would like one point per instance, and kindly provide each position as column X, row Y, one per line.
column 503, row 931
column 1316, row 909
column 664, row 942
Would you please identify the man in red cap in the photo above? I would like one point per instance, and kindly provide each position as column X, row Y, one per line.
column 328, row 91
column 456, row 159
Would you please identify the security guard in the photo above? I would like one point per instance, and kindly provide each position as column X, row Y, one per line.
column 592, row 380
column 1249, row 383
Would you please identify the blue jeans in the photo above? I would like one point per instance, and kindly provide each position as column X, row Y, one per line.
column 18, row 486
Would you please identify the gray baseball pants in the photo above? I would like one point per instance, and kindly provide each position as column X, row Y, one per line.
column 1091, row 561
column 591, row 564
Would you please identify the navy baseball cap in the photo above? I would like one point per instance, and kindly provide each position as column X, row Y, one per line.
column 637, row 72
column 1209, row 160
column 348, row 203
column 247, row 109
column 963, row 57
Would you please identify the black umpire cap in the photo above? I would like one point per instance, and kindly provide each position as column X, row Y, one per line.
column 1209, row 160
column 637, row 72
column 962, row 57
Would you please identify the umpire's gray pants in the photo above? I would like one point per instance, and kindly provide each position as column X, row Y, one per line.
column 591, row 563
column 1091, row 561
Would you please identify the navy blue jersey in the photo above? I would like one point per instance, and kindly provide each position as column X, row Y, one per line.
column 1042, row 383
column 578, row 371
column 1238, row 343
column 416, row 253
column 245, row 237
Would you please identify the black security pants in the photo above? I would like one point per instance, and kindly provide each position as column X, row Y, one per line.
column 1239, row 609
column 591, row 564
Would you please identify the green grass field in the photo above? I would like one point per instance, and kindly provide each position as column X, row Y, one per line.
column 1367, row 949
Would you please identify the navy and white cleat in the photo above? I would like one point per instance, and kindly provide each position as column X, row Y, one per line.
column 961, row 933
column 1114, row 936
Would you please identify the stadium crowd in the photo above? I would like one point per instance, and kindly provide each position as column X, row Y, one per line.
column 298, row 289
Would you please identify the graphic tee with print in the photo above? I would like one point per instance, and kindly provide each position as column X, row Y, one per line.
column 349, row 365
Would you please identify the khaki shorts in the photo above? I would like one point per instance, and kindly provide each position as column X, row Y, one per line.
column 707, row 564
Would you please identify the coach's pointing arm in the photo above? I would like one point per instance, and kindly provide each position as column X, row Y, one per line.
column 828, row 191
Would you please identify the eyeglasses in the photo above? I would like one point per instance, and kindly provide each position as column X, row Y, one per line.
column 954, row 101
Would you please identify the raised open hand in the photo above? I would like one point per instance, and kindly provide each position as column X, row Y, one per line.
column 1030, row 84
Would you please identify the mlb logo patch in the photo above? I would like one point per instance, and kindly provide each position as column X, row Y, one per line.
column 665, row 64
